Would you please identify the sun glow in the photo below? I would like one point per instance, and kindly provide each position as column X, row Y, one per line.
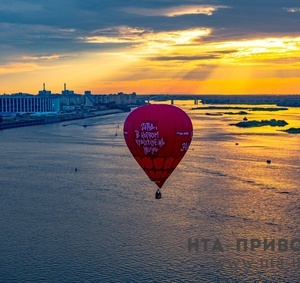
column 18, row 67
column 136, row 36
column 268, row 48
column 181, row 61
column 256, row 66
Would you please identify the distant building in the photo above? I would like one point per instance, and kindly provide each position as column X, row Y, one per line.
column 67, row 101
column 67, row 92
column 120, row 98
column 44, row 92
column 28, row 104
column 89, row 99
column 69, row 108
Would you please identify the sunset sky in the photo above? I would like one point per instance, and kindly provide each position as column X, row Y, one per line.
column 163, row 47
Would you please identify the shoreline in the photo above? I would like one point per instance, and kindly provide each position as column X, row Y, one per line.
column 42, row 120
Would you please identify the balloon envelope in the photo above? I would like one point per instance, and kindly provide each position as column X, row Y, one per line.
column 158, row 136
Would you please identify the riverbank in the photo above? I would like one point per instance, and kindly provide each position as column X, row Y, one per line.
column 61, row 117
column 212, row 107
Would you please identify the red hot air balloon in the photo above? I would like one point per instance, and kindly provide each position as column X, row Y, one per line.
column 158, row 136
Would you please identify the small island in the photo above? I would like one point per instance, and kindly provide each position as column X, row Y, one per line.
column 214, row 114
column 255, row 123
column 236, row 113
column 226, row 113
column 292, row 131
column 269, row 109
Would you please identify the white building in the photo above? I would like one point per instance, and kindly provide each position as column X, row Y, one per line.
column 28, row 104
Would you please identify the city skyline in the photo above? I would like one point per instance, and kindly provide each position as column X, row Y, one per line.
column 175, row 47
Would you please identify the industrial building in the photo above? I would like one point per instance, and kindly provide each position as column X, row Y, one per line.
column 45, row 102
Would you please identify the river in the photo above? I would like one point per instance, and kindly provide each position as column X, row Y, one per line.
column 225, row 215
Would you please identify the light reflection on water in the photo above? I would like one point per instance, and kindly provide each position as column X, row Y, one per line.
column 102, row 224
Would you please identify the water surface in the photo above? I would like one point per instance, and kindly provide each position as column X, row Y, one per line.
column 102, row 223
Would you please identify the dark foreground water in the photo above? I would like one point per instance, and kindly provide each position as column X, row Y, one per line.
column 102, row 223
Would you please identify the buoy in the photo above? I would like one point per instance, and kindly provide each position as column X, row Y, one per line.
column 268, row 161
column 75, row 169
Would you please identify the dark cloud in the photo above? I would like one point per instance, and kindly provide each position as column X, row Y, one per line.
column 35, row 26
